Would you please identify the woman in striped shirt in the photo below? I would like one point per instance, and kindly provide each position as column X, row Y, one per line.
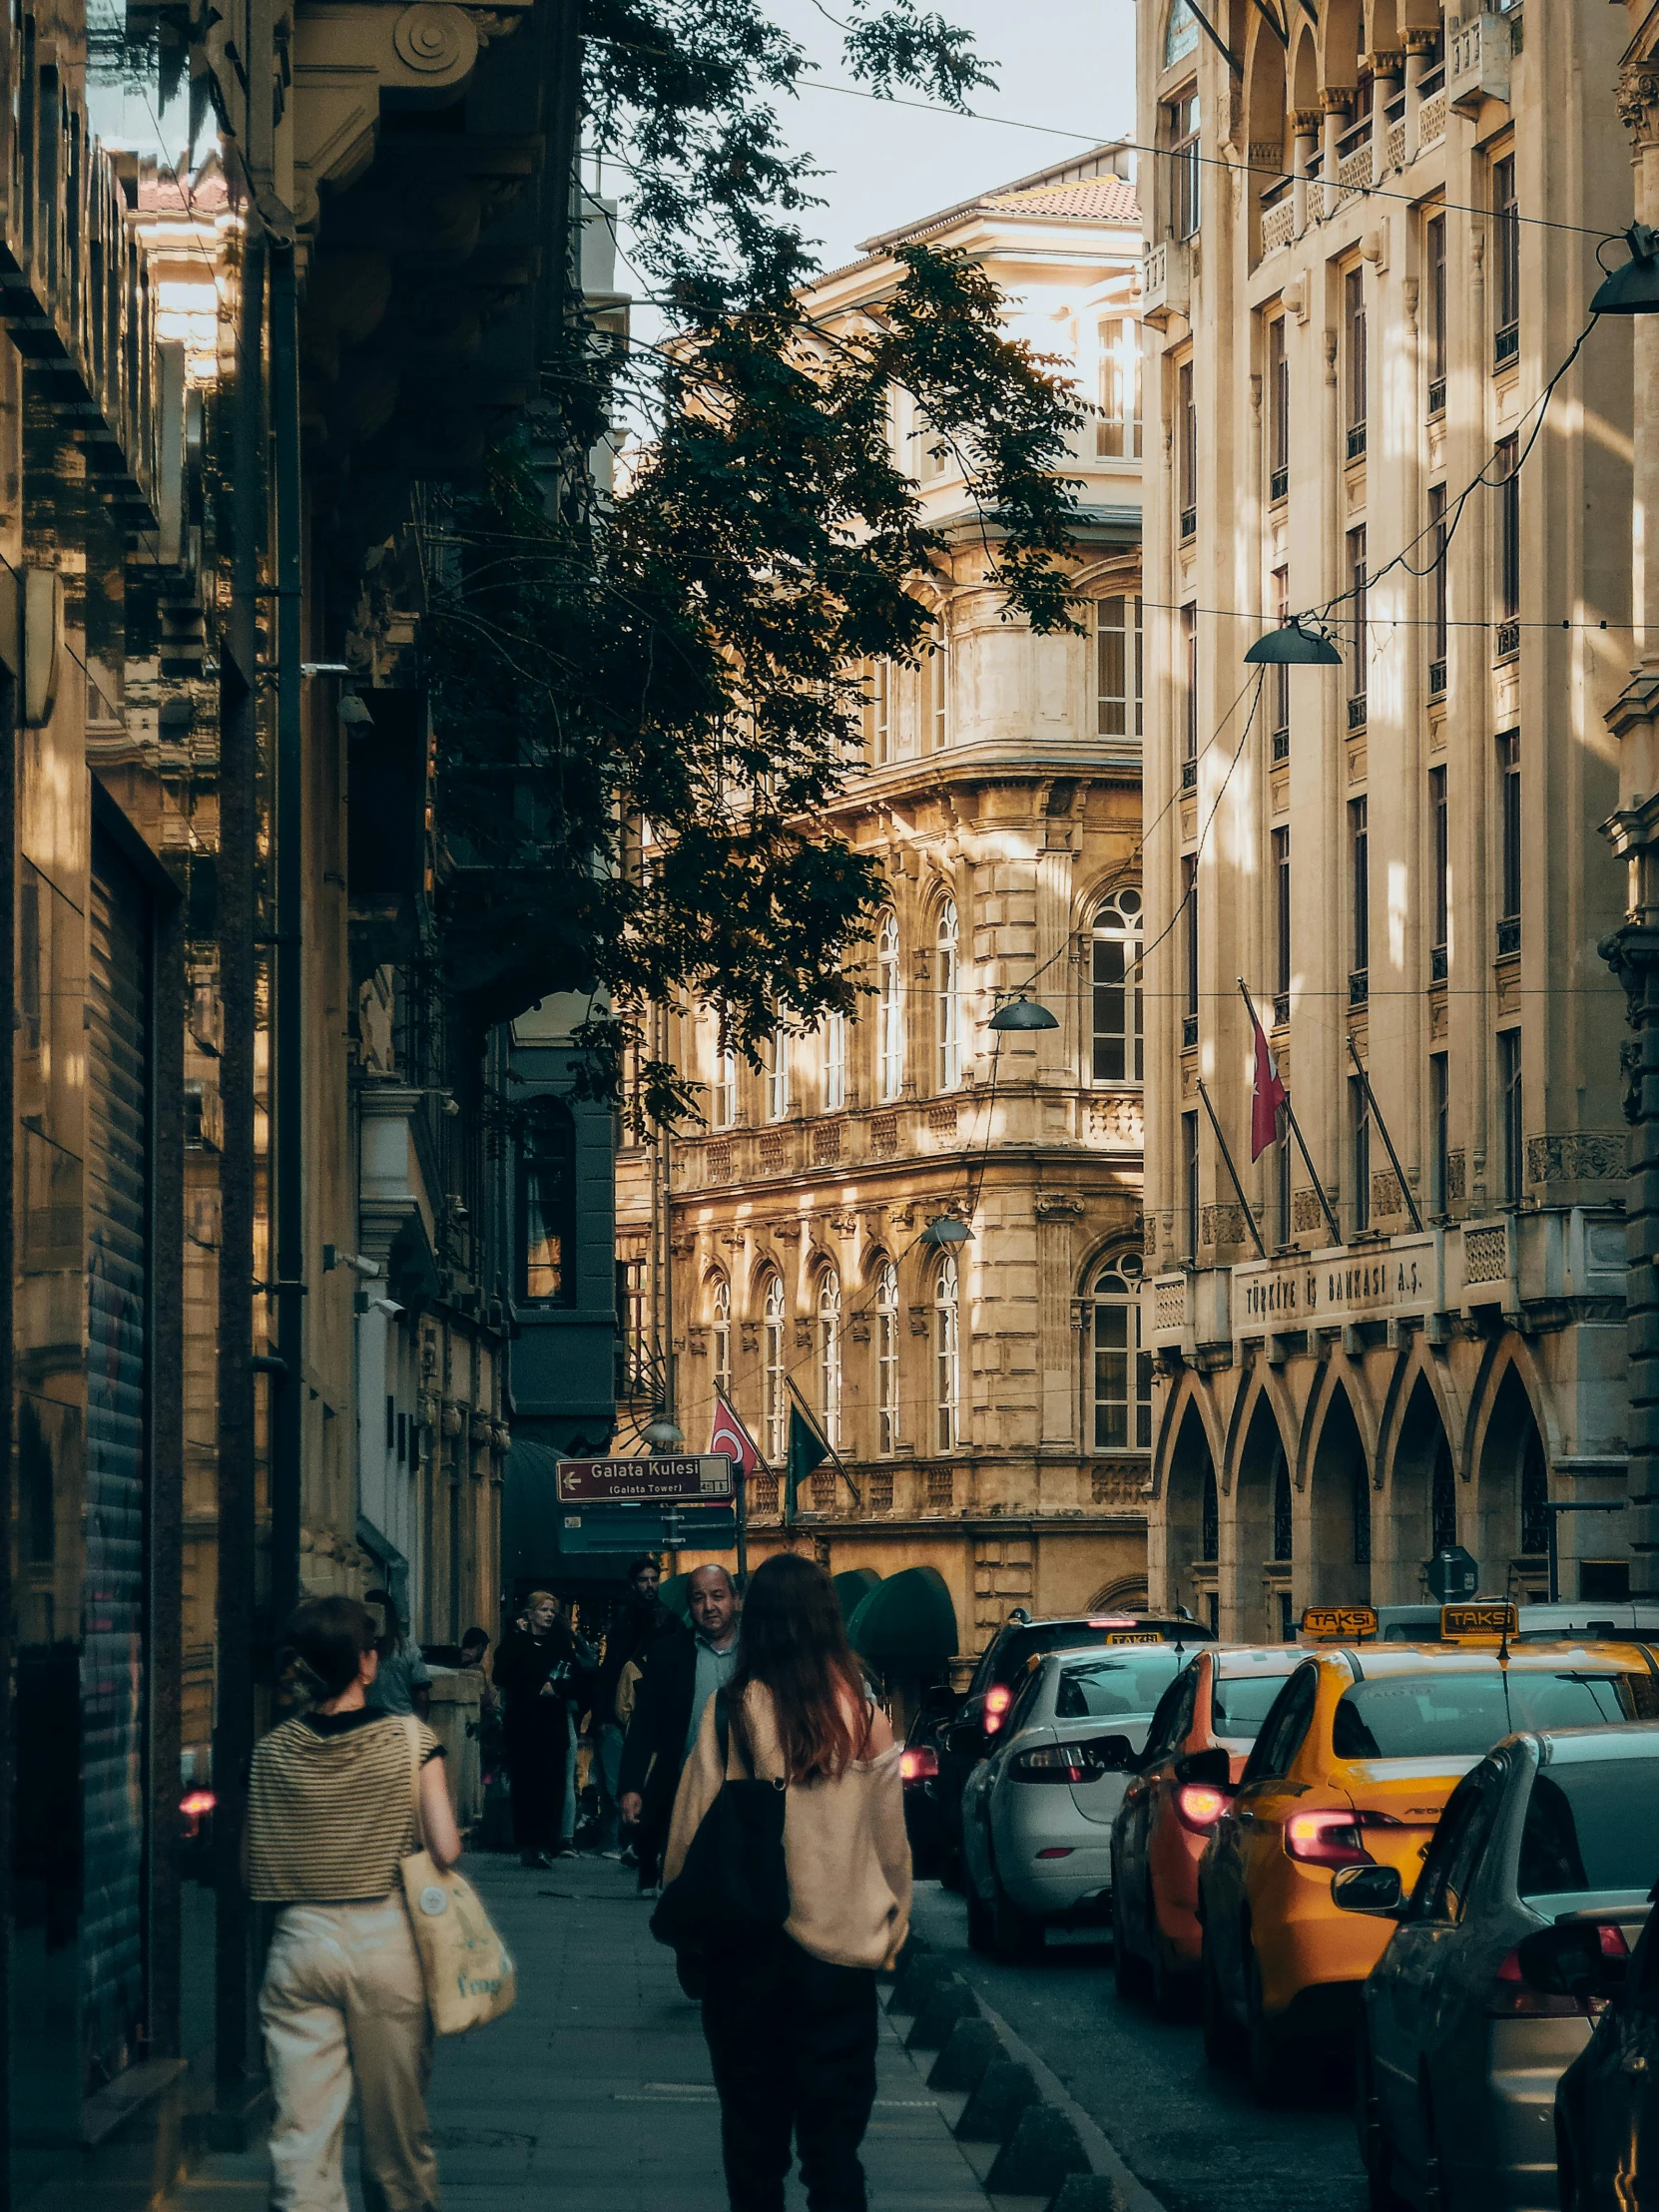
column 330, row 1815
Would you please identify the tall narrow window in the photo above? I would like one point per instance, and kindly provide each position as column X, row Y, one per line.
column 1279, row 411
column 547, row 1205
column 1360, row 588
column 1354, row 349
column 1186, row 430
column 1184, row 172
column 1439, row 1134
column 1189, row 899
column 1117, row 434
column 886, row 1357
column 1189, row 678
column 1359, row 1119
column 881, row 712
column 723, row 1091
column 773, row 1388
column 834, row 1063
column 1359, row 877
column 1510, row 842
column 1278, row 693
column 1439, row 625
column 1509, row 1109
column 778, row 1076
column 1189, row 1182
column 949, row 988
column 1282, row 925
column 1440, row 956
column 947, row 1389
column 1433, row 242
column 936, row 675
column 1282, row 1191
column 1116, row 990
column 889, row 1010
column 1506, row 264
column 1121, row 1380
column 1508, row 548
column 1118, row 665
column 830, row 1355
column 721, row 1330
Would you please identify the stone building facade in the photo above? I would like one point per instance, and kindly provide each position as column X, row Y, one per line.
column 988, row 1398
column 1367, row 259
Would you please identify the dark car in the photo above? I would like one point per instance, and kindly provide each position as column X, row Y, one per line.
column 1607, row 2101
column 983, row 1710
column 919, row 1768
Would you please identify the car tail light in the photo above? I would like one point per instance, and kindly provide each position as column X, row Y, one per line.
column 998, row 1698
column 195, row 1807
column 1334, row 1838
column 1058, row 1763
column 918, row 1762
column 1199, row 1805
column 1057, row 1851
column 1514, row 1997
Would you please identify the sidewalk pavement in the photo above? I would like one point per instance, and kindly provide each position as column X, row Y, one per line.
column 595, row 2090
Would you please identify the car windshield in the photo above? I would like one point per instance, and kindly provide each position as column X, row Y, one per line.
column 1130, row 1681
column 1239, row 1703
column 1591, row 1827
column 1460, row 1716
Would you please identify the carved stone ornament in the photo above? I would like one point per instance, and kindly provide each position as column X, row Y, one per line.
column 748, row 1339
column 804, row 1336
column 1589, row 1154
column 1059, row 1206
column 433, row 39
column 1637, row 96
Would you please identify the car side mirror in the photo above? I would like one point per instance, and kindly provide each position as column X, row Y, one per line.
column 1116, row 1753
column 1376, row 1890
column 1213, row 1767
column 1568, row 1961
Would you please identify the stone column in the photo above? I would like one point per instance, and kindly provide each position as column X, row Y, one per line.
column 1305, row 124
column 1632, row 952
column 1419, row 45
column 1336, row 101
column 1385, row 70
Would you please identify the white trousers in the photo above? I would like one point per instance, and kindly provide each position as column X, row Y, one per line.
column 342, row 2003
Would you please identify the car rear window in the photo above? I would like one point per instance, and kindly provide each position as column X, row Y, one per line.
column 1007, row 1658
column 1462, row 1716
column 1239, row 1703
column 1132, row 1680
column 1591, row 1827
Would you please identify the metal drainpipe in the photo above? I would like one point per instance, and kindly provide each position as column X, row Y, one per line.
column 287, row 1024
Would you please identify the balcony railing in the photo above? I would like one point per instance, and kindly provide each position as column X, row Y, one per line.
column 1189, row 1032
column 1437, row 678
column 1437, row 964
column 1356, row 712
column 1508, row 937
column 1189, row 775
column 1357, row 441
column 1280, row 746
column 1278, row 485
column 1281, row 1009
column 1506, row 345
column 1509, row 641
column 1189, row 523
column 1436, row 396
column 1358, row 986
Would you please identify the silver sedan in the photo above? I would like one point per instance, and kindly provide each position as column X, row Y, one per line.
column 1467, row 2027
column 1038, row 1813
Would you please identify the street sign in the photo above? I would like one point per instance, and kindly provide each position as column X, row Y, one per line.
column 1452, row 1574
column 668, row 1478
column 602, row 1529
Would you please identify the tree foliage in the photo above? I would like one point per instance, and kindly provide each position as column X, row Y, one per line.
column 649, row 703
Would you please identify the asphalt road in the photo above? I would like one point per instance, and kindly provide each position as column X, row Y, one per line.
column 1192, row 2135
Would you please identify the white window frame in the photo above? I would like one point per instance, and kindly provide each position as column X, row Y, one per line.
column 1117, row 435
column 778, row 1076
column 1117, row 940
column 947, row 943
column 881, row 712
column 775, row 1394
column 889, row 1010
column 1118, row 631
column 1118, row 1381
column 947, row 1360
column 834, row 1063
column 724, row 1090
column 830, row 1355
column 720, row 1328
column 886, row 1359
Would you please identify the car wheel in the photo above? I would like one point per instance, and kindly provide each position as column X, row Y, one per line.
column 1265, row 2052
column 1128, row 1971
column 979, row 1922
column 1221, row 2034
column 1015, row 1935
column 1372, row 2128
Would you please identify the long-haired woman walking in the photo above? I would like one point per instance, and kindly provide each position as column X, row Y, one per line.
column 791, row 2018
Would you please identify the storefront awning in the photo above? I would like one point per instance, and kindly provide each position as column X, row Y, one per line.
column 907, row 1620
column 853, row 1587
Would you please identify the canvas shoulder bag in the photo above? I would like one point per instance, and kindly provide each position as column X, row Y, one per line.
column 464, row 1964
column 734, row 1882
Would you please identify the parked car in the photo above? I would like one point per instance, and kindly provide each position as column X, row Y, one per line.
column 1038, row 1813
column 1199, row 1740
column 919, row 1768
column 983, row 1711
column 1580, row 1618
column 1351, row 1768
column 1607, row 2100
column 1459, row 2047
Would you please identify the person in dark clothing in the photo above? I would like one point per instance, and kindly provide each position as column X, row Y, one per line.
column 681, row 1674
column 643, row 1622
column 535, row 1671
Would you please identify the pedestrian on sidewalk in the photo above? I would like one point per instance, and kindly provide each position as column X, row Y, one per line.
column 643, row 1622
column 330, row 1817
column 535, row 1670
column 791, row 2020
column 681, row 1674
column 404, row 1682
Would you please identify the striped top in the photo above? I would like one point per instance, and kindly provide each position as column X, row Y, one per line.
column 331, row 1811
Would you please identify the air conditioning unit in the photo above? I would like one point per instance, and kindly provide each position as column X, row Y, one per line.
column 1166, row 280
column 1477, row 62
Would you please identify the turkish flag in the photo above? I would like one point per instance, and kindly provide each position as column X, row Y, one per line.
column 1269, row 1099
column 730, row 1437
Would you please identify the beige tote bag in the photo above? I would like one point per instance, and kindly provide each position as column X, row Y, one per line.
column 466, row 1966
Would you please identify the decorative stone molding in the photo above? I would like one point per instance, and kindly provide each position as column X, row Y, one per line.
column 920, row 1319
column 1119, row 1118
column 803, row 1336
column 1580, row 1157
column 1221, row 1225
column 1636, row 94
column 1386, row 1194
column 1305, row 1211
column 1059, row 1206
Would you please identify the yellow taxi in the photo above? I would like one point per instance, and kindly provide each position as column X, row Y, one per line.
column 1354, row 1762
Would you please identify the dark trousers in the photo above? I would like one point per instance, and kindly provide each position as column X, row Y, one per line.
column 793, row 2040
column 536, row 1751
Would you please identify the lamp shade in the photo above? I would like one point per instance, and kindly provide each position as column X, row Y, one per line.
column 1022, row 1013
column 1290, row 646
column 945, row 1230
column 1631, row 289
column 664, row 1433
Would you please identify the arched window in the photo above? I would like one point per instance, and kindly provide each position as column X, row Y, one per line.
column 1115, row 988
column 951, row 998
column 834, row 1063
column 889, row 1010
column 1122, row 1377
column 1180, row 33
column 547, row 1205
column 722, row 1332
column 886, row 1357
column 773, row 1390
column 947, row 1373
column 778, row 1076
column 830, row 1355
column 1283, row 1526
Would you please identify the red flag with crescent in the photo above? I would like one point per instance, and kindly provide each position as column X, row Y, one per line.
column 730, row 1437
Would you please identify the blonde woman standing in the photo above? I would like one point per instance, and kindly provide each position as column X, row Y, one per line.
column 791, row 2018
column 330, row 1817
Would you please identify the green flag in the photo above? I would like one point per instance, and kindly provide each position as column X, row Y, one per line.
column 807, row 1451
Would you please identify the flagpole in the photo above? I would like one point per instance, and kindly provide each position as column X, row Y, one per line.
column 740, row 1476
column 1256, row 1233
column 1387, row 1141
column 817, row 1426
column 1295, row 1130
